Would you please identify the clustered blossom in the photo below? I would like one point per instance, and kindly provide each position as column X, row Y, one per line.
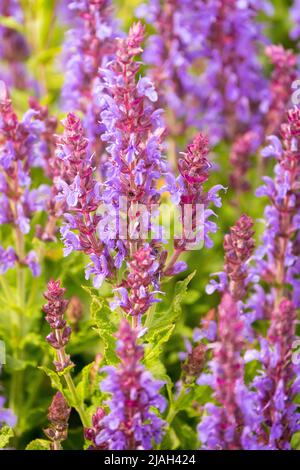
column 171, row 53
column 222, row 38
column 136, row 290
column 91, row 433
column 90, row 44
column 132, row 423
column 20, row 151
column 58, row 416
column 227, row 425
column 279, row 88
column 14, row 50
column 277, row 256
column 133, row 129
column 187, row 190
column 79, row 194
column 60, row 332
column 278, row 384
column 238, row 247
column 283, row 75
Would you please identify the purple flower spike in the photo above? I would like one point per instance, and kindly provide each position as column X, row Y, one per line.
column 132, row 423
column 224, row 426
column 60, row 332
column 278, row 384
column 238, row 247
column 89, row 45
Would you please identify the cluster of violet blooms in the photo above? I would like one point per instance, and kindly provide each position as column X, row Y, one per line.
column 114, row 158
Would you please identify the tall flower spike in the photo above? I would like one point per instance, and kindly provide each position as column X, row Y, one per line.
column 58, row 416
column 133, row 130
column 171, row 54
column 79, row 194
column 284, row 73
column 278, row 384
column 89, row 45
column 136, row 291
column 19, row 152
column 132, row 423
column 238, row 247
column 134, row 135
column 188, row 191
column 223, row 38
column 277, row 256
column 226, row 425
column 60, row 332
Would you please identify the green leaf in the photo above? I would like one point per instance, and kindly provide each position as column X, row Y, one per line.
column 102, row 318
column 163, row 319
column 187, row 436
column 6, row 434
column 162, row 323
column 39, row 444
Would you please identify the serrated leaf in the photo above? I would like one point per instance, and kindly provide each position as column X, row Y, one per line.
column 6, row 434
column 101, row 317
column 162, row 323
column 161, row 319
column 39, row 444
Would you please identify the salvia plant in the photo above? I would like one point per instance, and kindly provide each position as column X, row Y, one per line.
column 149, row 225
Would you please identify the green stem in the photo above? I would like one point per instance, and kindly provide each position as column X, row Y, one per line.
column 173, row 407
column 78, row 405
column 16, row 391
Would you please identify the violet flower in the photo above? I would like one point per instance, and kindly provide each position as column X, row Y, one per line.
column 238, row 247
column 20, row 151
column 276, row 259
column 132, row 423
column 90, row 44
column 278, row 383
column 279, row 86
column 227, row 425
column 172, row 53
column 137, row 291
column 79, row 194
column 283, row 75
column 60, row 332
column 133, row 129
column 188, row 192
column 6, row 415
column 223, row 37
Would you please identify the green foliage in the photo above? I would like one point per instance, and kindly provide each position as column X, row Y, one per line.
column 6, row 434
column 38, row 444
